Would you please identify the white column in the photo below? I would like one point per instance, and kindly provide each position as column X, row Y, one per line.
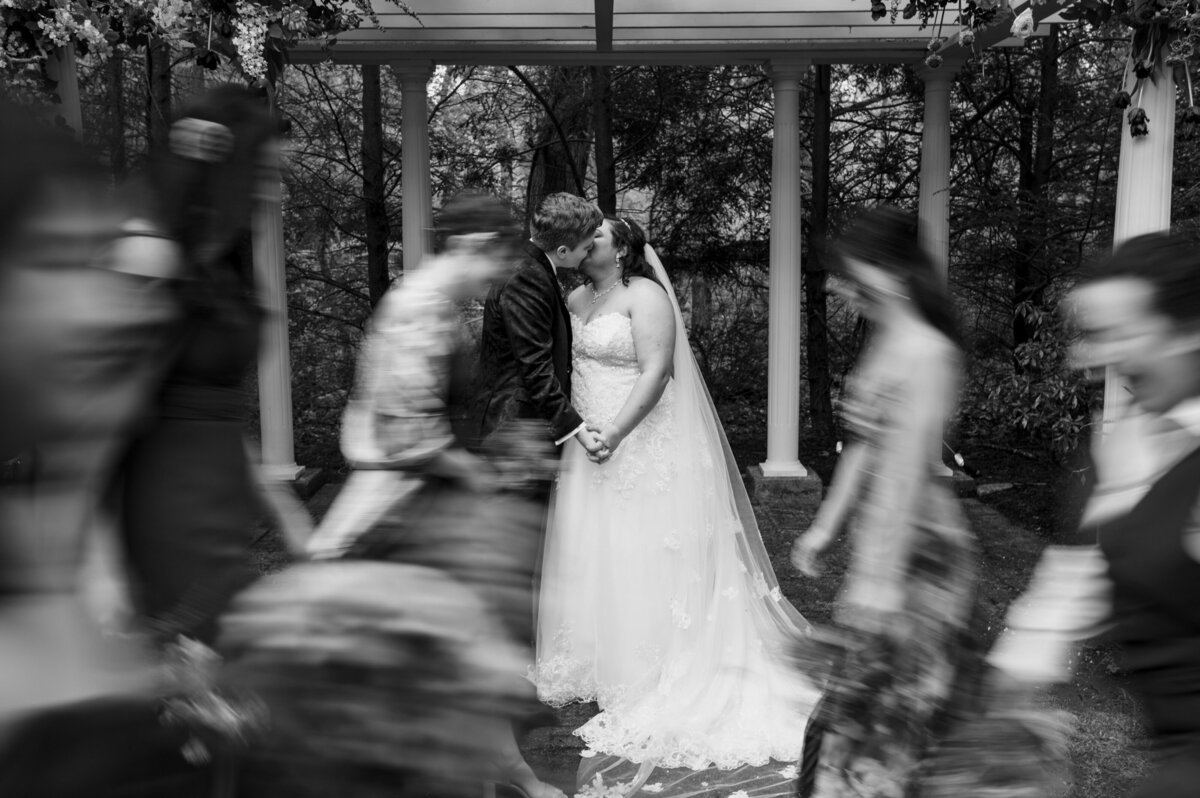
column 60, row 67
column 274, row 359
column 1143, row 185
column 415, row 192
column 934, row 198
column 933, row 206
column 783, row 337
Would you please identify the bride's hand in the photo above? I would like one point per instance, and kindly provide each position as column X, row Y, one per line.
column 610, row 436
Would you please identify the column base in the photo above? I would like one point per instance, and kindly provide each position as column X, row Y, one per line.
column 304, row 480
column 964, row 487
column 803, row 486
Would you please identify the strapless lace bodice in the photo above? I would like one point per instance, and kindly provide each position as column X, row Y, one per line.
column 605, row 368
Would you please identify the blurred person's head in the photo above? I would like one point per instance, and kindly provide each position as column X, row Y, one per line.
column 56, row 211
column 564, row 227
column 477, row 235
column 881, row 266
column 1139, row 313
column 620, row 243
column 206, row 181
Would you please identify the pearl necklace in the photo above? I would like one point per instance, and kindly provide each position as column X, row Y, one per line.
column 597, row 296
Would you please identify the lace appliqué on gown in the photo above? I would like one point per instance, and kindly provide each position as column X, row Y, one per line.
column 605, row 369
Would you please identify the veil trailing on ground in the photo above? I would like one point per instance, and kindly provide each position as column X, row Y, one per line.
column 698, row 415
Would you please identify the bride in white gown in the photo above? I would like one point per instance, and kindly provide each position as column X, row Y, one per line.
column 658, row 600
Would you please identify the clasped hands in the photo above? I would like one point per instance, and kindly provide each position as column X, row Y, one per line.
column 600, row 442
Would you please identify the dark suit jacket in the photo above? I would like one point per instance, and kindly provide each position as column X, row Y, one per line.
column 525, row 355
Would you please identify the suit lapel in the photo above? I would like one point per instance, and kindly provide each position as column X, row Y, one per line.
column 544, row 261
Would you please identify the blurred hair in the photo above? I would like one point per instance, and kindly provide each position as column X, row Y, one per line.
column 563, row 220
column 1169, row 263
column 474, row 211
column 628, row 234
column 205, row 204
column 36, row 154
column 888, row 238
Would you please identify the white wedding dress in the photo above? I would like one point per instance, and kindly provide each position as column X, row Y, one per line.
column 658, row 600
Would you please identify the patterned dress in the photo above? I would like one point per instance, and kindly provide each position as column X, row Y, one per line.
column 906, row 603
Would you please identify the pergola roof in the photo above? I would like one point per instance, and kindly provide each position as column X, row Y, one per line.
column 639, row 31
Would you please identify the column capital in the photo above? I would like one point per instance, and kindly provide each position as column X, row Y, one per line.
column 413, row 69
column 788, row 68
column 943, row 73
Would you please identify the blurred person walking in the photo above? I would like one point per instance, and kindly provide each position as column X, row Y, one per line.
column 87, row 309
column 907, row 599
column 1136, row 569
column 190, row 494
column 425, row 491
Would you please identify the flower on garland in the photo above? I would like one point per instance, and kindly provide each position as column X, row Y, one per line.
column 1024, row 25
column 1164, row 39
column 1139, row 124
column 973, row 14
column 1191, row 121
column 251, row 34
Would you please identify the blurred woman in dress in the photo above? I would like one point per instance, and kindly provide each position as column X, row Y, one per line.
column 907, row 598
column 190, row 498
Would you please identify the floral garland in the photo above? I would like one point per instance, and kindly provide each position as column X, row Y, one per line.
column 973, row 15
column 1165, row 36
column 252, row 35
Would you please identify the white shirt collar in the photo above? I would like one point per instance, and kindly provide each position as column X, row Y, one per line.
column 549, row 259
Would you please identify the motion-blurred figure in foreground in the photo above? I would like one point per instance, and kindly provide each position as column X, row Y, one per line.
column 1139, row 315
column 393, row 664
column 86, row 303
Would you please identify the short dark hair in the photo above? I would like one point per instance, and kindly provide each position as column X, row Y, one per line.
column 563, row 219
column 1169, row 263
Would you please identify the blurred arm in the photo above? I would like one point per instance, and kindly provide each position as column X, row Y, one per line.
column 1067, row 600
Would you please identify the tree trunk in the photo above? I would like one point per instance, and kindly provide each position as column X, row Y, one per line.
column 374, row 195
column 816, row 311
column 158, row 94
column 606, row 173
column 118, row 153
column 561, row 145
column 1037, row 158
